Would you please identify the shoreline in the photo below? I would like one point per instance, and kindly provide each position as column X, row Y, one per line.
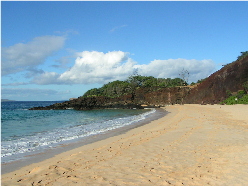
column 191, row 145
column 72, row 144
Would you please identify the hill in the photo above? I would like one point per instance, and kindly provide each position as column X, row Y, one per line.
column 220, row 85
column 141, row 91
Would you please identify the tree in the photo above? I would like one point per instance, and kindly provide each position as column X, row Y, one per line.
column 115, row 88
column 93, row 92
column 176, row 82
column 184, row 74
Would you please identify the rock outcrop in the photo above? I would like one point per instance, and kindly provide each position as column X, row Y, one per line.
column 214, row 89
column 142, row 98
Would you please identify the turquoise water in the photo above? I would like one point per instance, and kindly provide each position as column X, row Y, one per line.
column 24, row 131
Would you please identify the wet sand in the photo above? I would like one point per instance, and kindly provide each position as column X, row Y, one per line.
column 192, row 145
column 38, row 156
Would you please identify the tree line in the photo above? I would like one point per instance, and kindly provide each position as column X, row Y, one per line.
column 119, row 88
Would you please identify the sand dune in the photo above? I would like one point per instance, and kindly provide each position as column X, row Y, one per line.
column 192, row 145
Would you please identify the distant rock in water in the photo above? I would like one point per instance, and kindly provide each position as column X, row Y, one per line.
column 6, row 100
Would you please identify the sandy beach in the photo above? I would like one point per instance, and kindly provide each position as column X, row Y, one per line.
column 192, row 145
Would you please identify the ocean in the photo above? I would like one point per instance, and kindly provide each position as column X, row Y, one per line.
column 25, row 132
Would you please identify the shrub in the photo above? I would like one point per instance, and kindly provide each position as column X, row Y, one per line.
column 245, row 85
column 236, row 99
column 243, row 55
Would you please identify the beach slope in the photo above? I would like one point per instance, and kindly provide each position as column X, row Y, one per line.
column 192, row 145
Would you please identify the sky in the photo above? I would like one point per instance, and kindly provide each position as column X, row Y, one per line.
column 59, row 50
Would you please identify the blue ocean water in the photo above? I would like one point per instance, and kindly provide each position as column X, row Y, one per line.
column 27, row 131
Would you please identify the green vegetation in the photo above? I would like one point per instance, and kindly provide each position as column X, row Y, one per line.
column 245, row 85
column 134, row 82
column 240, row 98
column 243, row 55
column 119, row 88
column 199, row 81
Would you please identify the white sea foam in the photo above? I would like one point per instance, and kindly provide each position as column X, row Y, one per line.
column 82, row 127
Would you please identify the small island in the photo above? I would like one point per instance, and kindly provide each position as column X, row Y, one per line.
column 6, row 100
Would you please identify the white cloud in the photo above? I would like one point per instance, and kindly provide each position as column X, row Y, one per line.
column 92, row 67
column 171, row 68
column 15, row 84
column 117, row 27
column 62, row 62
column 21, row 91
column 20, row 57
column 32, row 93
column 47, row 78
column 97, row 67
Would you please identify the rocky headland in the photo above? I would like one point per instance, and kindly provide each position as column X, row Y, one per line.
column 217, row 87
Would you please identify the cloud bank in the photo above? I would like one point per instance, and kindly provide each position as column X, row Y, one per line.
column 17, row 93
column 99, row 67
column 92, row 67
column 20, row 57
column 171, row 68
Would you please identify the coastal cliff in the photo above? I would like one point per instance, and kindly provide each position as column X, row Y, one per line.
column 217, row 87
column 141, row 98
column 214, row 89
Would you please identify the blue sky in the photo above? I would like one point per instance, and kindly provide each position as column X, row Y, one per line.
column 59, row 50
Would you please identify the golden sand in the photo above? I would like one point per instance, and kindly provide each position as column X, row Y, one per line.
column 192, row 145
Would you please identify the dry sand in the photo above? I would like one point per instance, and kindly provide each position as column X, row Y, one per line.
column 192, row 145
